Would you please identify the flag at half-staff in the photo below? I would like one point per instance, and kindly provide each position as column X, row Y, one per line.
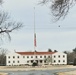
column 35, row 40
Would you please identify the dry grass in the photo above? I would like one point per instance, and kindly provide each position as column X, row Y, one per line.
column 3, row 74
column 61, row 74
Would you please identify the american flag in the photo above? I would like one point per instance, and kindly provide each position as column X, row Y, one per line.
column 35, row 39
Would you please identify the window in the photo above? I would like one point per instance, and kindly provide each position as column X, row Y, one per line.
column 13, row 56
column 27, row 61
column 44, row 56
column 31, row 56
column 54, row 56
column 44, row 61
column 13, row 61
column 23, row 56
column 59, row 56
column 58, row 60
column 40, row 56
column 54, row 61
column 40, row 61
column 63, row 60
column 8, row 56
column 31, row 61
column 36, row 56
column 18, row 61
column 48, row 56
column 27, row 56
column 17, row 56
column 9, row 62
column 63, row 56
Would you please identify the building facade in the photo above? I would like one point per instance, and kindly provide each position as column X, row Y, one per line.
column 59, row 58
column 42, row 58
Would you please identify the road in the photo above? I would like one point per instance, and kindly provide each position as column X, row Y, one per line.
column 41, row 72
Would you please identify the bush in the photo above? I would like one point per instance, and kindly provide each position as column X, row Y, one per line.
column 35, row 64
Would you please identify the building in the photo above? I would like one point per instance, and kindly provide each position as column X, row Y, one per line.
column 59, row 58
column 42, row 58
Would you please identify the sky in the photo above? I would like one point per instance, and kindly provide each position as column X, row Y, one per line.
column 48, row 33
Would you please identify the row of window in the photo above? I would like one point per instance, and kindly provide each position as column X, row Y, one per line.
column 27, row 61
column 58, row 61
column 38, row 56
column 13, row 62
column 29, row 57
column 59, row 56
column 37, row 61
column 13, row 57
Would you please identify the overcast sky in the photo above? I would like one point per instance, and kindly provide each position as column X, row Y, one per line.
column 49, row 35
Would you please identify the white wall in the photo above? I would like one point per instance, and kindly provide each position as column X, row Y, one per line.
column 24, row 60
column 13, row 61
column 59, row 58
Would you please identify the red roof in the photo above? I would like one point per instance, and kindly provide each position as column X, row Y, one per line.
column 37, row 53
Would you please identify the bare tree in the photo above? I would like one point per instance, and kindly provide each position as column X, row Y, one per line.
column 70, row 56
column 1, row 1
column 59, row 8
column 7, row 26
column 3, row 53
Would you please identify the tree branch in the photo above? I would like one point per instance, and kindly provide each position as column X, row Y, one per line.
column 6, row 26
column 60, row 8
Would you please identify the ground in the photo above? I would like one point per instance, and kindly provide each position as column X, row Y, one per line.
column 27, row 68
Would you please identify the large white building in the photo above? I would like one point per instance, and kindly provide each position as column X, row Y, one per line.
column 42, row 58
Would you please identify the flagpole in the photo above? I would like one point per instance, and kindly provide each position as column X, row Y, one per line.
column 34, row 28
column 34, row 36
